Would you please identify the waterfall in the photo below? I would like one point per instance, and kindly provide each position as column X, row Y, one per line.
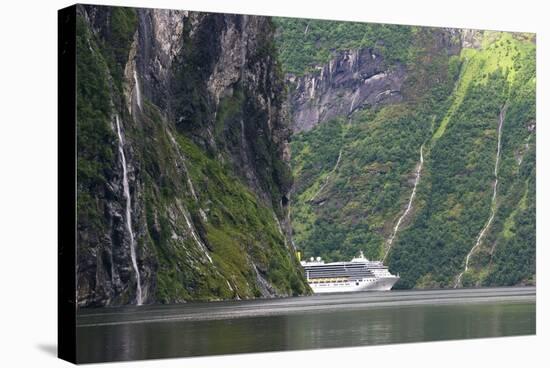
column 327, row 178
column 138, row 93
column 181, row 156
column 243, row 136
column 501, row 118
column 126, row 188
column 352, row 104
column 312, row 90
column 328, row 175
column 409, row 205
column 229, row 285
column 196, row 237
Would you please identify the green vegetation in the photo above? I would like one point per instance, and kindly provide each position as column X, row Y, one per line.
column 480, row 65
column 95, row 138
column 239, row 226
column 365, row 194
column 238, row 230
column 363, row 198
column 353, row 178
column 459, row 176
column 304, row 43
column 116, row 41
column 457, row 120
column 98, row 63
column 238, row 111
column 176, row 231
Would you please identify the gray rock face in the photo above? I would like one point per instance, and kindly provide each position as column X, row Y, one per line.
column 471, row 38
column 190, row 62
column 353, row 79
column 159, row 41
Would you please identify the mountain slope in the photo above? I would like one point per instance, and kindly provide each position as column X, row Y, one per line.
column 412, row 180
column 182, row 159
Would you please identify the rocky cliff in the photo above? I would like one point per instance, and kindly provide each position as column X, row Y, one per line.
column 183, row 174
column 351, row 80
column 365, row 77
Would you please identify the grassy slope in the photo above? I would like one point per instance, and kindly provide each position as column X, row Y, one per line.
column 239, row 229
column 455, row 200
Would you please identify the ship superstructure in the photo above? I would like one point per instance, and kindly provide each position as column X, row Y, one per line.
column 360, row 274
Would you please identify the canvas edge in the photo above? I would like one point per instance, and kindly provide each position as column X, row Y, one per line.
column 66, row 189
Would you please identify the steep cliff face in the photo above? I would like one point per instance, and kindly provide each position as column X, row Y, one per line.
column 183, row 169
column 237, row 106
column 351, row 80
column 368, row 76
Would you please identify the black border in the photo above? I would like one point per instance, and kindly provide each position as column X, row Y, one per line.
column 66, row 186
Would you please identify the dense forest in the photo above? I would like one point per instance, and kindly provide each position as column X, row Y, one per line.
column 356, row 175
column 306, row 43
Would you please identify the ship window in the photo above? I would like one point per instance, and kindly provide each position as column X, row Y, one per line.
column 357, row 283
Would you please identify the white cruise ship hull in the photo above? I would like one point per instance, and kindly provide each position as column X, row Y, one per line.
column 376, row 284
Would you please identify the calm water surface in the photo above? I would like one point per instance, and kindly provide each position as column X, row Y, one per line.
column 324, row 329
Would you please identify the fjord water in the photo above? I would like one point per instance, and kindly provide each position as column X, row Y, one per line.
column 326, row 321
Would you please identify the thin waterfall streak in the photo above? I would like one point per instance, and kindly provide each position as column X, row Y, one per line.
column 178, row 151
column 243, row 136
column 229, row 285
column 193, row 193
column 328, row 176
column 352, row 105
column 138, row 93
column 481, row 234
column 126, row 189
column 501, row 121
column 312, row 90
column 196, row 237
column 409, row 205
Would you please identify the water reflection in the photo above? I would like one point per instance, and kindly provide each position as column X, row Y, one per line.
column 303, row 331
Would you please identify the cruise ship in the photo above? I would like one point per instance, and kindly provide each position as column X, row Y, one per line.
column 358, row 275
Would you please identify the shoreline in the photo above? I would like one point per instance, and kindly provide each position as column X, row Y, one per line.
column 208, row 311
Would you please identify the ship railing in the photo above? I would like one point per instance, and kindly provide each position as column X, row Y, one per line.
column 338, row 279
